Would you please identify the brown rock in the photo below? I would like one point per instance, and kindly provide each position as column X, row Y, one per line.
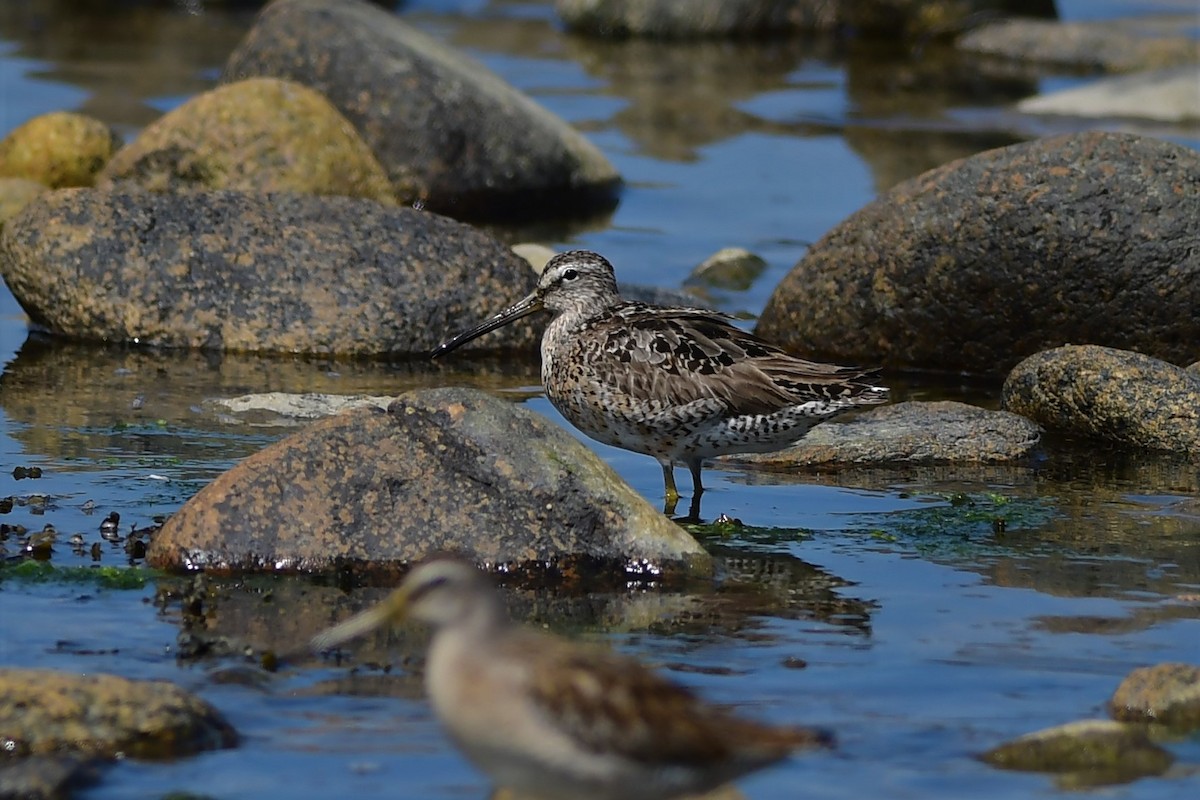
column 260, row 273
column 58, row 149
column 1091, row 237
column 1164, row 693
column 45, row 712
column 442, row 469
column 260, row 135
column 1109, row 394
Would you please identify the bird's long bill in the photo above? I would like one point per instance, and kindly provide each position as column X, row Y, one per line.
column 522, row 308
column 391, row 610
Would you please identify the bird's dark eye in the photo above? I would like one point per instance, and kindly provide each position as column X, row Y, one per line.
column 570, row 274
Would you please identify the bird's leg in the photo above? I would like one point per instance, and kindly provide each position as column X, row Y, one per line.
column 672, row 497
column 693, row 516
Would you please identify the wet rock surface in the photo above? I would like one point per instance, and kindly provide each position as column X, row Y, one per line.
column 445, row 469
column 1094, row 752
column 43, row 712
column 450, row 133
column 260, row 135
column 58, row 149
column 45, row 777
column 1104, row 393
column 913, row 432
column 1108, row 46
column 1165, row 693
column 278, row 273
column 1091, row 237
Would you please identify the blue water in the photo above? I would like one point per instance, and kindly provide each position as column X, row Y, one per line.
column 925, row 643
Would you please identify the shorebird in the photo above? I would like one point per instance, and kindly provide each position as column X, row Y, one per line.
column 678, row 384
column 556, row 720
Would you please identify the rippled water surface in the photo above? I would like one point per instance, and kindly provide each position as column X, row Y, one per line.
column 924, row 615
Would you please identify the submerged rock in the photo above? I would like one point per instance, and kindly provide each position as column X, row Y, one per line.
column 278, row 273
column 1165, row 693
column 45, row 777
column 44, row 712
column 922, row 433
column 442, row 469
column 1110, row 46
column 450, row 133
column 260, row 135
column 59, row 149
column 689, row 19
column 1091, row 237
column 731, row 268
column 1097, row 751
column 1166, row 95
column 1109, row 394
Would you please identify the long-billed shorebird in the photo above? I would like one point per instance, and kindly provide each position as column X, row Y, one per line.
column 679, row 384
column 556, row 720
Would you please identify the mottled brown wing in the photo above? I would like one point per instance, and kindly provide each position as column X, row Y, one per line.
column 683, row 355
column 611, row 704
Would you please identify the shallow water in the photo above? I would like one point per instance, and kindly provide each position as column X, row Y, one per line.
column 887, row 605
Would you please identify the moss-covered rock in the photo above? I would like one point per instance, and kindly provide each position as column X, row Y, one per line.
column 262, row 135
column 59, row 149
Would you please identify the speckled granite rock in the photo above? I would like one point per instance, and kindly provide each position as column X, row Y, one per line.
column 441, row 469
column 450, row 133
column 261, row 135
column 1102, row 750
column 58, row 149
column 1091, row 237
column 1109, row 394
column 677, row 19
column 45, row 712
column 1164, row 693
column 261, row 273
column 15, row 194
column 922, row 433
column 1108, row 46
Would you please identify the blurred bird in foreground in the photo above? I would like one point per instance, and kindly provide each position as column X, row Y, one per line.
column 678, row 384
column 555, row 720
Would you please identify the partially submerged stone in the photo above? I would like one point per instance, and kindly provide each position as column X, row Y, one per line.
column 59, row 149
column 1164, row 693
column 1108, row 752
column 691, row 19
column 919, row 433
column 1110, row 46
column 1171, row 95
column 260, row 135
column 450, row 133
column 44, row 712
column 1104, row 393
column 442, row 469
column 1089, row 237
column 278, row 273
column 731, row 268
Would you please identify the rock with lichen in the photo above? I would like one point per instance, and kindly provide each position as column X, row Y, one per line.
column 439, row 470
column 58, row 150
column 1104, row 393
column 261, row 135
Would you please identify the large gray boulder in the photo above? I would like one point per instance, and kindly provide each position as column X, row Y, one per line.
column 441, row 469
column 227, row 270
column 451, row 134
column 1091, row 237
